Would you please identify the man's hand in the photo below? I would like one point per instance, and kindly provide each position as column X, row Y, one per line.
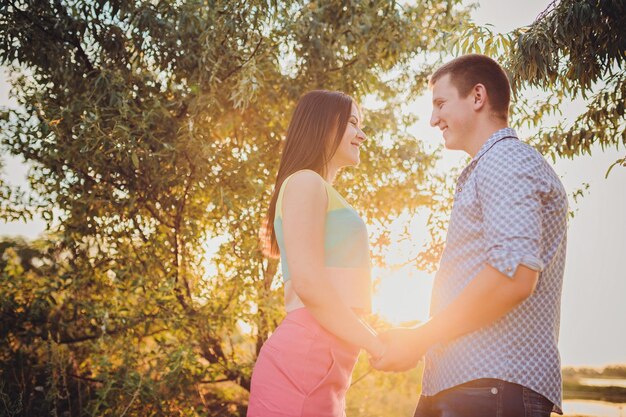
column 404, row 349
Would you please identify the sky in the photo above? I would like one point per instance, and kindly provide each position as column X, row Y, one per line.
column 594, row 289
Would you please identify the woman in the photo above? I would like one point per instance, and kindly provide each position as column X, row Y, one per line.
column 305, row 367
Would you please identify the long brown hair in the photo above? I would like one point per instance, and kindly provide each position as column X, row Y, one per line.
column 308, row 145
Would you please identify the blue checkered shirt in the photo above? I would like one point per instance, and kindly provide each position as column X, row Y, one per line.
column 510, row 208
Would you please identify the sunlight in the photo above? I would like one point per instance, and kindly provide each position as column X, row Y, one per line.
column 403, row 295
column 211, row 246
column 402, row 292
column 244, row 328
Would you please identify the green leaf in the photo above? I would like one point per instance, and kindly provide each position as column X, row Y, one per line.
column 135, row 160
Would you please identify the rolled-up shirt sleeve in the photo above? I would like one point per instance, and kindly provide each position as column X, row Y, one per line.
column 509, row 186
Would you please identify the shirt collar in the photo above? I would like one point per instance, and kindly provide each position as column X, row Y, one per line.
column 496, row 136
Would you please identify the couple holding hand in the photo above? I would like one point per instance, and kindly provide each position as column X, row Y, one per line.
column 490, row 345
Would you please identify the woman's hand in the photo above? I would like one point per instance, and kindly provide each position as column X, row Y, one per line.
column 403, row 349
column 376, row 349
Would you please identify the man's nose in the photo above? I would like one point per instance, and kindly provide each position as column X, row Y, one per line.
column 434, row 119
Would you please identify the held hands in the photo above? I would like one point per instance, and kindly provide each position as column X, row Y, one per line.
column 403, row 350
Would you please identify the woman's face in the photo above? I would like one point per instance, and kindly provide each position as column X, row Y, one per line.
column 348, row 152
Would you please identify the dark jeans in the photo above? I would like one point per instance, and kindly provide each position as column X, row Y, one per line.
column 485, row 398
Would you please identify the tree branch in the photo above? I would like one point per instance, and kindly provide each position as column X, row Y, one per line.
column 75, row 42
column 239, row 67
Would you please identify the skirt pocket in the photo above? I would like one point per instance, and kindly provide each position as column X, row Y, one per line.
column 303, row 362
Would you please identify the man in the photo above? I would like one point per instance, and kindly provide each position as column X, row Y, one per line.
column 491, row 341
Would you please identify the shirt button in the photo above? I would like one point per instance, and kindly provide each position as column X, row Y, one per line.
column 460, row 189
column 494, row 391
column 509, row 269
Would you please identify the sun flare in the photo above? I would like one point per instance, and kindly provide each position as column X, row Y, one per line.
column 402, row 295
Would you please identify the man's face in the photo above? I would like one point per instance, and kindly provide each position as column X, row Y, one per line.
column 453, row 114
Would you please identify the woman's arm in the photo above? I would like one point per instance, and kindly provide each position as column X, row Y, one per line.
column 304, row 212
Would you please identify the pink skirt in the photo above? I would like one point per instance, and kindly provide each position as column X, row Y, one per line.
column 302, row 370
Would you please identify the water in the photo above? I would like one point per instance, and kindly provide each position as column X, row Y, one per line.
column 603, row 382
column 593, row 408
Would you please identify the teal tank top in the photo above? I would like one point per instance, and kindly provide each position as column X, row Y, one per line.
column 346, row 251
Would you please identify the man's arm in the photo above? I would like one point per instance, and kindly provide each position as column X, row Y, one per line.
column 486, row 299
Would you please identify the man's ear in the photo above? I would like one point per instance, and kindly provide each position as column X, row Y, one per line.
column 479, row 94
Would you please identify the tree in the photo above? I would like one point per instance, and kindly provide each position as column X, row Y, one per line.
column 152, row 128
column 574, row 49
column 578, row 47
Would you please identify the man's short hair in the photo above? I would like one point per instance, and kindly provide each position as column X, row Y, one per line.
column 468, row 70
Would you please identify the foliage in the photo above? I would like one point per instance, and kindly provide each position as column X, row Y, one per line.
column 153, row 129
column 610, row 371
column 15, row 203
column 376, row 394
column 576, row 49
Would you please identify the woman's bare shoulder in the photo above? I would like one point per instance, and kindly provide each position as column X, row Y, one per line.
column 305, row 183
